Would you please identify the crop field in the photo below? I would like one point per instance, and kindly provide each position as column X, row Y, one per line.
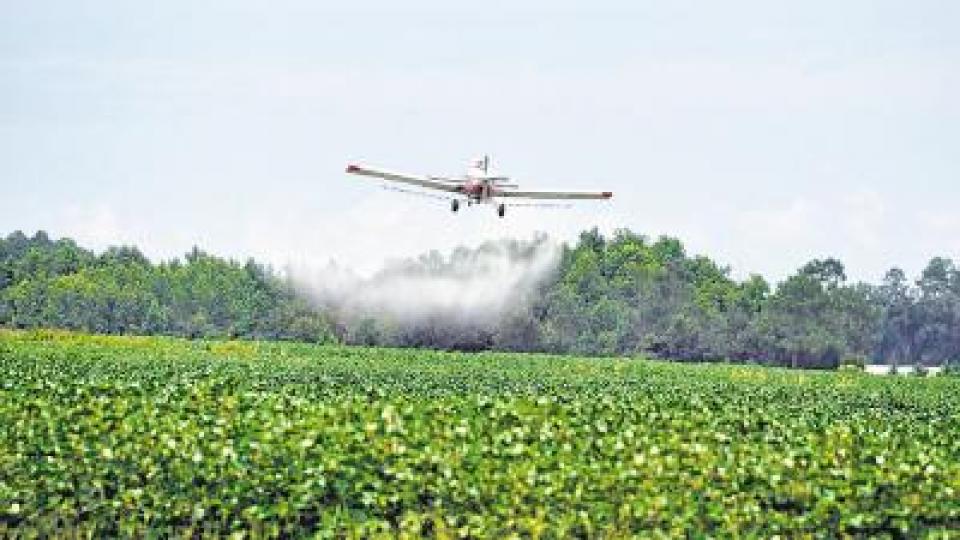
column 105, row 436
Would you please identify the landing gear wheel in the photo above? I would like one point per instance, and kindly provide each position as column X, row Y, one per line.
column 501, row 209
column 454, row 205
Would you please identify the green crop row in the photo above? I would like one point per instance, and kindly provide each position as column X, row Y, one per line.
column 104, row 436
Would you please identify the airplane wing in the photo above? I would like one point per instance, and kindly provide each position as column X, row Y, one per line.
column 556, row 194
column 413, row 180
column 539, row 205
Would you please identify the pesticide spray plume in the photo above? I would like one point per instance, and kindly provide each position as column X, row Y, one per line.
column 434, row 299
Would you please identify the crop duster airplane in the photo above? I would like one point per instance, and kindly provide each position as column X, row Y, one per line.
column 476, row 187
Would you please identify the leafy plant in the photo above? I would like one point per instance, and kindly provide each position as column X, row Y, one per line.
column 114, row 436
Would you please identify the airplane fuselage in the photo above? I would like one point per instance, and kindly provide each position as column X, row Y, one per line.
column 478, row 189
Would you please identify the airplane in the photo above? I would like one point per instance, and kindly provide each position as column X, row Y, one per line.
column 476, row 187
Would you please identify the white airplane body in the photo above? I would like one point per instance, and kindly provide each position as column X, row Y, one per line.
column 475, row 187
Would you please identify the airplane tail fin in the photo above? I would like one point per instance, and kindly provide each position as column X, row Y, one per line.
column 480, row 166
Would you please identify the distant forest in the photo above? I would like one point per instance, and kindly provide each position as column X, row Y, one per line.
column 624, row 294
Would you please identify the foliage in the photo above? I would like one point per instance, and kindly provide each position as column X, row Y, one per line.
column 628, row 295
column 854, row 361
column 109, row 436
column 618, row 295
column 57, row 284
column 952, row 369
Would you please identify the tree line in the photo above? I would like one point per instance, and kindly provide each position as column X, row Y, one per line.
column 628, row 294
column 47, row 283
column 623, row 294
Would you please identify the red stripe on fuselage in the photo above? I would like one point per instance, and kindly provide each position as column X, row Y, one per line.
column 473, row 189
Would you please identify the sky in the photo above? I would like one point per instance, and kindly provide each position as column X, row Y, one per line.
column 762, row 134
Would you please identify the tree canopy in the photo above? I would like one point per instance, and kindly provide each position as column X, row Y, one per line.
column 45, row 283
column 623, row 294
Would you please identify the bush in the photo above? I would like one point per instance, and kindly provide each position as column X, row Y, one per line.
column 951, row 369
column 853, row 361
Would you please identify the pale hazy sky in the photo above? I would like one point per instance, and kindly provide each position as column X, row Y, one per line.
column 761, row 133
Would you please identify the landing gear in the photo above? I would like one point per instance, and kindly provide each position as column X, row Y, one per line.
column 454, row 205
column 501, row 209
